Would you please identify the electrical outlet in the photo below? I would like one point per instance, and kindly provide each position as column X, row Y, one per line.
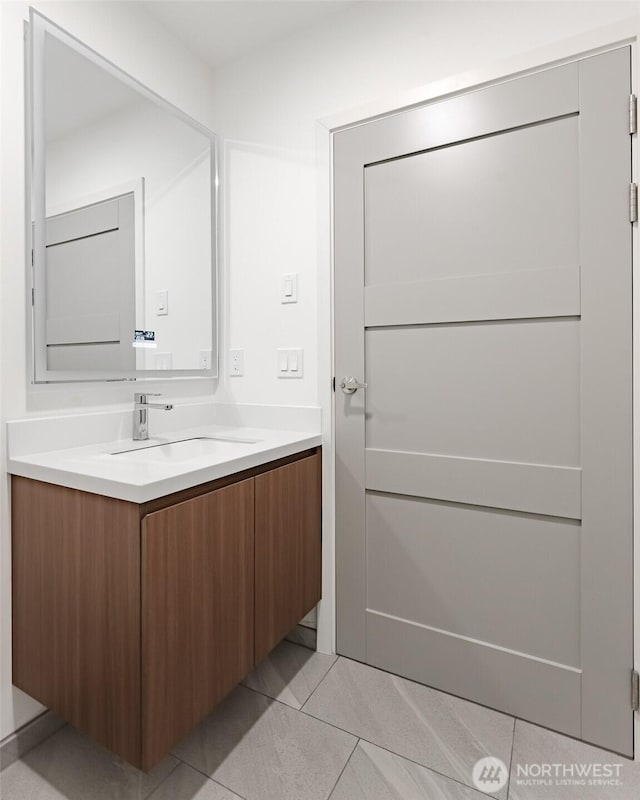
column 204, row 359
column 163, row 360
column 236, row 362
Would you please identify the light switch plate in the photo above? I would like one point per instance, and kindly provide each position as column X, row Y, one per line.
column 290, row 362
column 289, row 288
column 236, row 363
column 162, row 303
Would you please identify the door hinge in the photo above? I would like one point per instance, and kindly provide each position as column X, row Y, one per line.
column 635, row 690
column 633, row 114
column 333, row 383
column 633, row 202
column 33, row 297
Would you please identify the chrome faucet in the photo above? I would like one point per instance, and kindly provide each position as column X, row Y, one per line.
column 141, row 404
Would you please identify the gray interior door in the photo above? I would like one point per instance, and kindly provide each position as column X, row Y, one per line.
column 484, row 476
column 90, row 280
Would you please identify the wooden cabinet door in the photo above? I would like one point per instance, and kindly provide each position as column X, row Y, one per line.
column 197, row 611
column 287, row 549
column 76, row 609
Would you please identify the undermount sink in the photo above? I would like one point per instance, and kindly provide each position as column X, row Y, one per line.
column 186, row 449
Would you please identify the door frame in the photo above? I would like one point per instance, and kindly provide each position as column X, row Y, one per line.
column 565, row 51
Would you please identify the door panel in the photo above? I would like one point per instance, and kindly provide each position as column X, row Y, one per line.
column 536, row 488
column 498, row 390
column 483, row 479
column 475, row 207
column 91, row 249
column 83, row 356
column 543, row 692
column 444, row 556
column 506, row 295
column 86, row 221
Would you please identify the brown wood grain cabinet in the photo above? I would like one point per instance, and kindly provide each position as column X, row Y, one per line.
column 286, row 549
column 133, row 621
column 76, row 609
column 197, row 620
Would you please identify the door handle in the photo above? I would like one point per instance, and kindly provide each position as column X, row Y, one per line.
column 351, row 385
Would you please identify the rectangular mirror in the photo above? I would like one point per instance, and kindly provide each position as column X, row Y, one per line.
column 123, row 223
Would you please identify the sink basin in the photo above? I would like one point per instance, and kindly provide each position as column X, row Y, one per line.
column 187, row 449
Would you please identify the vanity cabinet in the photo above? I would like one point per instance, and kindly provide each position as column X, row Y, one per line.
column 132, row 621
column 197, row 610
column 288, row 570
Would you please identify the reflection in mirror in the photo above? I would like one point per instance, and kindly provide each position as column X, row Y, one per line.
column 123, row 235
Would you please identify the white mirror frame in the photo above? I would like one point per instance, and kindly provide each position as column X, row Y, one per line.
column 36, row 212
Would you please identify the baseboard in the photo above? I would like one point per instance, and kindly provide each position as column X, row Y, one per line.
column 304, row 636
column 27, row 737
column 311, row 620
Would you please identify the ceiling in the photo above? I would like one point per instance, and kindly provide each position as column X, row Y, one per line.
column 79, row 92
column 222, row 30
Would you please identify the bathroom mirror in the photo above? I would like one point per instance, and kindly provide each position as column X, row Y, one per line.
column 123, row 233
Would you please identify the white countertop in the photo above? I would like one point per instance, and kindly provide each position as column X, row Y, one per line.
column 94, row 467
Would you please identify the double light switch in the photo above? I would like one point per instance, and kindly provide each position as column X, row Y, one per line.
column 290, row 362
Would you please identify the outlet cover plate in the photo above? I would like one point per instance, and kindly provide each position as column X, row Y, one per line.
column 204, row 359
column 236, row 363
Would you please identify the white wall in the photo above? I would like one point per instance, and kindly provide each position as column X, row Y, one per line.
column 125, row 34
column 145, row 141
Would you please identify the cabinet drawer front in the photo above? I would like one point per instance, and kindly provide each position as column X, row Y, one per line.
column 197, row 610
column 287, row 549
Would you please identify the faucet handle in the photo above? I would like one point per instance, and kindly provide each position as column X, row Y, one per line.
column 141, row 397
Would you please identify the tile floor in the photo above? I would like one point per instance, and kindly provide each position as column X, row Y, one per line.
column 306, row 726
